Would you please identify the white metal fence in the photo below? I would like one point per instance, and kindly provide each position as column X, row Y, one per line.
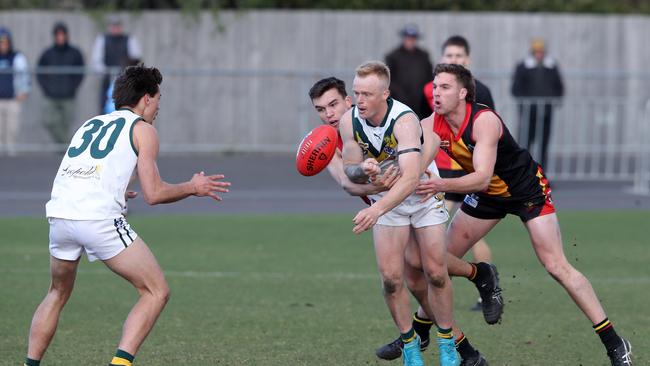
column 593, row 136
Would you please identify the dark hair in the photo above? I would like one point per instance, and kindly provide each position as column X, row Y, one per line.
column 463, row 75
column 60, row 27
column 133, row 83
column 324, row 85
column 459, row 41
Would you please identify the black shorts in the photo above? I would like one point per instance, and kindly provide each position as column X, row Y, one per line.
column 488, row 207
column 452, row 173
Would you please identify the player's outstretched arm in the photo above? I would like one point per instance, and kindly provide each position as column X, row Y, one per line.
column 431, row 142
column 486, row 133
column 154, row 189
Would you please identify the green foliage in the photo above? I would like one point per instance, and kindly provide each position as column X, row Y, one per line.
column 194, row 6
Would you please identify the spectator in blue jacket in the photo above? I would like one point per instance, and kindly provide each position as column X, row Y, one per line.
column 60, row 86
column 14, row 88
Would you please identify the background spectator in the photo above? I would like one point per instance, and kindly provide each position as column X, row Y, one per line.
column 110, row 102
column 14, row 88
column 410, row 69
column 537, row 85
column 60, row 88
column 112, row 50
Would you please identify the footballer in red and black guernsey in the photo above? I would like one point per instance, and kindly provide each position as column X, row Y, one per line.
column 456, row 50
column 509, row 181
column 517, row 186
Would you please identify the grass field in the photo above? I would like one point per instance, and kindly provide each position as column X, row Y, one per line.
column 302, row 290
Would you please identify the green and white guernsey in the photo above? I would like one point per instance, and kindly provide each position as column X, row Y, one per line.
column 379, row 142
column 96, row 169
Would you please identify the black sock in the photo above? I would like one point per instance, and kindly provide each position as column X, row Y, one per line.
column 422, row 326
column 408, row 336
column 607, row 334
column 30, row 362
column 464, row 348
column 482, row 272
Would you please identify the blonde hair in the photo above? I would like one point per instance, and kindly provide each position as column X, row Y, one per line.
column 377, row 68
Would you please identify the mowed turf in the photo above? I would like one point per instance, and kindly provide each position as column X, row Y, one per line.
column 303, row 290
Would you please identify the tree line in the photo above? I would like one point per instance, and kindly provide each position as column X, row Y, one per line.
column 192, row 6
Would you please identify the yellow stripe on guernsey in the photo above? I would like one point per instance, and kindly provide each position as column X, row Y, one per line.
column 463, row 156
column 379, row 142
column 120, row 361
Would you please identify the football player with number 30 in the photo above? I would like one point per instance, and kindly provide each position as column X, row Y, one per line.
column 85, row 211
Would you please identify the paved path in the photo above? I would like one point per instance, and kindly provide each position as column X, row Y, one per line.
column 262, row 184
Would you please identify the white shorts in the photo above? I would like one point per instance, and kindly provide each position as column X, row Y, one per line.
column 416, row 214
column 100, row 239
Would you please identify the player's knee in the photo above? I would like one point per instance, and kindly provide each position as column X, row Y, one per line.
column 163, row 293
column 159, row 291
column 559, row 271
column 59, row 295
column 391, row 284
column 437, row 280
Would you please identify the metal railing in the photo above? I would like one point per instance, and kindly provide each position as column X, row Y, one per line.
column 592, row 136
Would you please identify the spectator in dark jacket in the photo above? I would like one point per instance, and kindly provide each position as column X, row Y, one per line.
column 410, row 69
column 111, row 51
column 537, row 85
column 58, row 87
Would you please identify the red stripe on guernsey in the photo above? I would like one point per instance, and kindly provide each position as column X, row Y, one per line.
column 428, row 93
column 366, row 200
column 548, row 208
column 443, row 161
column 460, row 153
column 339, row 142
column 447, row 142
column 468, row 113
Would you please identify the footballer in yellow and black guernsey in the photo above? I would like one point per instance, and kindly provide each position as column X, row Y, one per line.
column 508, row 181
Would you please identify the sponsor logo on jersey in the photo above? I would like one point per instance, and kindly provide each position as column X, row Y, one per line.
column 445, row 145
column 389, row 150
column 92, row 172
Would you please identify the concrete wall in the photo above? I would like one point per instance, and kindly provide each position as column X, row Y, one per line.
column 246, row 87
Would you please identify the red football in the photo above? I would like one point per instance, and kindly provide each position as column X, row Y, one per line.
column 316, row 150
